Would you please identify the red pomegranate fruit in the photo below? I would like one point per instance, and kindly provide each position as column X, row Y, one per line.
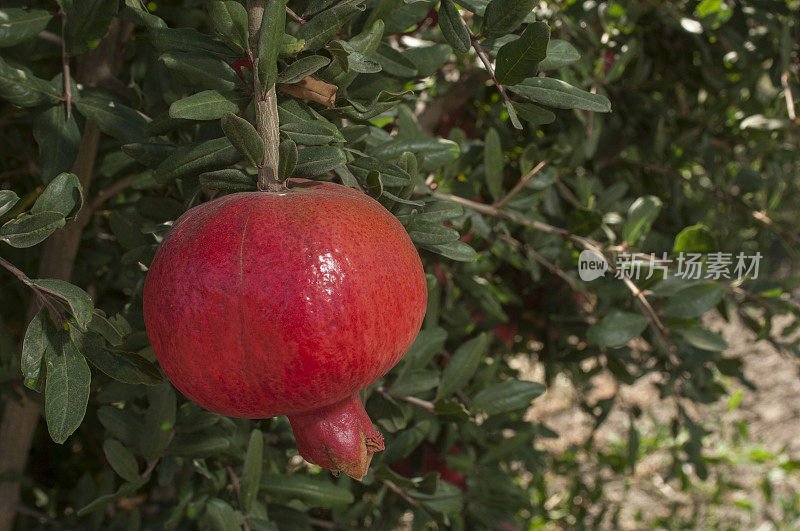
column 263, row 304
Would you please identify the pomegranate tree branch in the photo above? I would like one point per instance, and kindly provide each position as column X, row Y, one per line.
column 517, row 187
column 102, row 196
column 237, row 488
column 65, row 66
column 266, row 105
column 400, row 492
column 425, row 404
column 294, row 16
column 584, row 243
column 486, row 61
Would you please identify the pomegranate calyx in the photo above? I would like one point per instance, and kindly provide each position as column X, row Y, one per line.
column 339, row 437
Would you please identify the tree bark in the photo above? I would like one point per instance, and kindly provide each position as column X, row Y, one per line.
column 20, row 418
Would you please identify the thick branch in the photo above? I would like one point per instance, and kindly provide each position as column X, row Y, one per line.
column 266, row 106
column 57, row 261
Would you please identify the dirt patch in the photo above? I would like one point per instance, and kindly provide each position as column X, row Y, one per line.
column 771, row 414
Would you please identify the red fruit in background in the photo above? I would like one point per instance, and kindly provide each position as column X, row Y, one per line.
column 432, row 462
column 262, row 304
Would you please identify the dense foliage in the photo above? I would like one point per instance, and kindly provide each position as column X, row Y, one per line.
column 508, row 136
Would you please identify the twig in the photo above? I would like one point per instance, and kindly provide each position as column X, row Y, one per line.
column 554, row 268
column 55, row 315
column 485, row 60
column 425, row 404
column 759, row 216
column 50, row 37
column 585, row 243
column 104, row 195
column 266, row 106
column 65, row 65
column 517, row 187
column 24, row 509
column 237, row 488
column 400, row 492
column 319, row 522
column 295, row 16
column 787, row 94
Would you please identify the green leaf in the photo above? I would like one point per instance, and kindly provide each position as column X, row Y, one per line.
column 415, row 381
column 61, row 195
column 504, row 16
column 695, row 300
column 519, row 59
column 58, row 139
column 220, row 516
column 441, row 148
column 405, row 443
column 694, row 239
column 556, row 93
column 493, row 164
column 251, row 474
column 391, row 174
column 641, row 215
column 134, row 11
column 559, row 54
column 150, row 154
column 452, row 26
column 18, row 25
column 199, row 445
column 316, row 492
column 188, row 40
column 66, row 390
column 321, row 29
column 199, row 70
column 506, row 396
column 393, row 62
column 31, row 229
column 455, row 250
column 425, row 233
column 450, row 410
column 87, row 23
column 121, row 460
column 534, row 114
column 311, row 133
column 19, row 86
column 113, row 118
column 287, row 158
column 123, row 366
column 270, row 40
column 159, row 420
column 228, row 180
column 229, row 20
column 208, row 105
column 40, row 336
column 196, row 159
column 7, row 201
column 616, row 328
column 126, row 489
column 462, row 365
column 301, row 68
column 79, row 302
column 703, row 339
column 313, row 161
column 244, row 138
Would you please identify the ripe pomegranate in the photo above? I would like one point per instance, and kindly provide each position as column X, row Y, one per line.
column 262, row 304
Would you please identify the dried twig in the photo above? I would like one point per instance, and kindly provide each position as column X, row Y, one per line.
column 425, row 404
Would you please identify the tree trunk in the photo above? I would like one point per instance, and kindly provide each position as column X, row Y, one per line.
column 20, row 418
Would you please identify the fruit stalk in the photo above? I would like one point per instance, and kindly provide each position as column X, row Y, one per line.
column 266, row 107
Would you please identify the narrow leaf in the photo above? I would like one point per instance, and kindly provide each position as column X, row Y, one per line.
column 244, row 138
column 519, row 59
column 31, row 229
column 462, row 365
column 452, row 26
column 66, row 390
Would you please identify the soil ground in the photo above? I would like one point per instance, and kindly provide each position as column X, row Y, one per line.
column 772, row 416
